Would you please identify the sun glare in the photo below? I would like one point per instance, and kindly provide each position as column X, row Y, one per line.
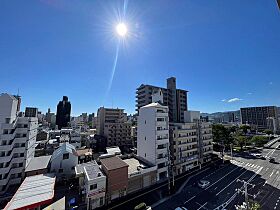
column 121, row 29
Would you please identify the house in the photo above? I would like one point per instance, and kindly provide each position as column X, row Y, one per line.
column 92, row 184
column 63, row 161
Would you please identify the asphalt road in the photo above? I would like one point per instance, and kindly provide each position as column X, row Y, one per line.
column 265, row 177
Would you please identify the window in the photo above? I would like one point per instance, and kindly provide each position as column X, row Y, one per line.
column 25, row 125
column 66, row 156
column 60, row 170
column 93, row 186
column 101, row 201
column 24, row 135
column 7, row 120
column 20, row 164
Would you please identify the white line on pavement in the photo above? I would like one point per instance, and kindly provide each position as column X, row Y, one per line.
column 271, row 173
column 201, row 206
column 189, row 199
column 231, row 183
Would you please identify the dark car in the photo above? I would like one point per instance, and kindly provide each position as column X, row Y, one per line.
column 272, row 159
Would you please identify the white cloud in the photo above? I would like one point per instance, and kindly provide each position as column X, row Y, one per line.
column 234, row 100
column 270, row 83
column 224, row 100
column 249, row 93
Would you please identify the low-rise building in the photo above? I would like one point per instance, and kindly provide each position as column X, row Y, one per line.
column 84, row 155
column 141, row 173
column 38, row 165
column 116, row 171
column 63, row 161
column 34, row 192
column 92, row 184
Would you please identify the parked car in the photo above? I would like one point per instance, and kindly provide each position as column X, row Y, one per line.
column 181, row 208
column 203, row 183
column 272, row 159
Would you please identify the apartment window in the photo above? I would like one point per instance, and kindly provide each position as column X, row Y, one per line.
column 101, row 201
column 66, row 156
column 145, row 154
column 5, row 131
column 24, row 135
column 4, row 142
column 25, row 126
column 60, row 170
column 21, row 154
column 93, row 186
column 7, row 120
column 20, row 164
column 160, row 119
column 1, row 165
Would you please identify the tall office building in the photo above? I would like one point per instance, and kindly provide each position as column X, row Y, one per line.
column 113, row 124
column 17, row 141
column 63, row 113
column 175, row 99
column 257, row 116
column 153, row 135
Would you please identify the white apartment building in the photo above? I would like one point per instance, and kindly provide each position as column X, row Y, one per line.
column 153, row 135
column 17, row 141
column 92, row 184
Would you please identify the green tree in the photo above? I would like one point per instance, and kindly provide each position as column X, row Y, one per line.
column 244, row 128
column 221, row 134
column 268, row 131
column 259, row 141
column 255, row 206
column 240, row 141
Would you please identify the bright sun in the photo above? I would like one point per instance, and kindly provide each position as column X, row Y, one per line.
column 121, row 29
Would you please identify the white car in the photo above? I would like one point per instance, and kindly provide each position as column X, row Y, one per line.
column 181, row 208
column 203, row 183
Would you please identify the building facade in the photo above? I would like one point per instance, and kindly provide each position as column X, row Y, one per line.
column 63, row 161
column 31, row 112
column 92, row 182
column 175, row 99
column 116, row 171
column 190, row 143
column 113, row 124
column 63, row 113
column 257, row 116
column 17, row 141
column 153, row 137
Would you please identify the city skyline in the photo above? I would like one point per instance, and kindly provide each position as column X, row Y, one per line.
column 225, row 61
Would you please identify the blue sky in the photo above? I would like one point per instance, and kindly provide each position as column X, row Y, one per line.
column 226, row 53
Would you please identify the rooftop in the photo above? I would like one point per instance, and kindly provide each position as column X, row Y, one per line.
column 81, row 152
column 135, row 165
column 113, row 150
column 90, row 169
column 38, row 163
column 33, row 192
column 112, row 163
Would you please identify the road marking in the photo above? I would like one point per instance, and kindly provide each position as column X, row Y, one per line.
column 230, row 183
column 201, row 206
column 220, row 178
column 277, row 172
column 271, row 173
column 264, row 183
column 266, row 169
column 189, row 199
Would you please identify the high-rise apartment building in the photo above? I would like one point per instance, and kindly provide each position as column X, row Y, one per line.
column 257, row 116
column 31, row 112
column 175, row 99
column 63, row 113
column 153, row 136
column 17, row 141
column 113, row 124
column 190, row 142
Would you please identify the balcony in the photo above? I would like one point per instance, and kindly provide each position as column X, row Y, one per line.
column 162, row 132
column 162, row 141
column 162, row 151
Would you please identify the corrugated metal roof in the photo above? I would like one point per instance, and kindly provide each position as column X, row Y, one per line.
column 64, row 148
column 33, row 190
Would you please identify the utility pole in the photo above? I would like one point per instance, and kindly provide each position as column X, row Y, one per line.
column 231, row 151
column 245, row 191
